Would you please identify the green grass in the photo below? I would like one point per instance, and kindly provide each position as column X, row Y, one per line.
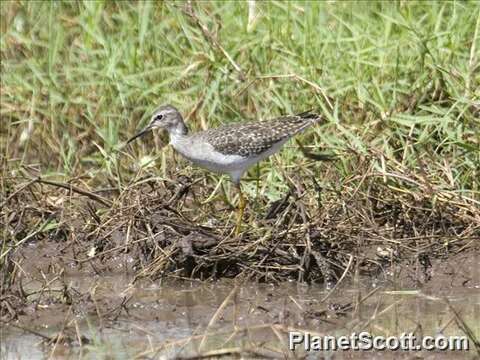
column 398, row 83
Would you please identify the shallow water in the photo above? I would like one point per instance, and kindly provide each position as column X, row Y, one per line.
column 171, row 319
column 111, row 317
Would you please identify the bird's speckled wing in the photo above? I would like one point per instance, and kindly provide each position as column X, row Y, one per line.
column 254, row 138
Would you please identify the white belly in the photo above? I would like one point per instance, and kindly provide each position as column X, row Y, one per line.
column 204, row 155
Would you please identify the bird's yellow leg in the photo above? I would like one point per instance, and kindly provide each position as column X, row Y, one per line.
column 241, row 208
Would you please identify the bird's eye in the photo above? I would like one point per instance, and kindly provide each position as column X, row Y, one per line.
column 158, row 117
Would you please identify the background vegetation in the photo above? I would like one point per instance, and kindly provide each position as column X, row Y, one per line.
column 397, row 83
column 399, row 79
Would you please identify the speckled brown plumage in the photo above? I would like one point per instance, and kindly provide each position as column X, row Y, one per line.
column 253, row 138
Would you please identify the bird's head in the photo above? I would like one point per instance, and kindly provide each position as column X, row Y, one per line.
column 165, row 117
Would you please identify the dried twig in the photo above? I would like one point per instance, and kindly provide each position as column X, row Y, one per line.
column 78, row 190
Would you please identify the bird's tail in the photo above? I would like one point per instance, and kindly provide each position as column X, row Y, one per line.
column 311, row 116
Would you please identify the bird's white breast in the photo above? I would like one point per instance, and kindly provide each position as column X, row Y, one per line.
column 204, row 155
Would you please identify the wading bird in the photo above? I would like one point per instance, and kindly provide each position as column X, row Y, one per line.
column 229, row 149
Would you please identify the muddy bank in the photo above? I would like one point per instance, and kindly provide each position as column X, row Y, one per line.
column 157, row 229
column 153, row 270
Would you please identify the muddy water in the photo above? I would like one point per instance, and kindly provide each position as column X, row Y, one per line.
column 112, row 318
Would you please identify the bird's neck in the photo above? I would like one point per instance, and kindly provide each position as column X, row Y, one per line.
column 179, row 129
column 178, row 132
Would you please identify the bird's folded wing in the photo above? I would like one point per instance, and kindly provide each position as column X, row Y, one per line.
column 254, row 138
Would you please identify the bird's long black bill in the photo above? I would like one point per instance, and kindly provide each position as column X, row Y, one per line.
column 141, row 133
